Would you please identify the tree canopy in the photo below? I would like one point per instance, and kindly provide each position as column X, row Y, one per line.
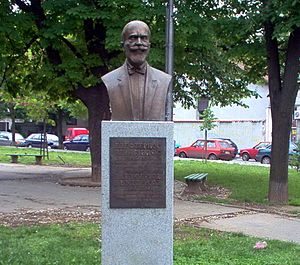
column 64, row 47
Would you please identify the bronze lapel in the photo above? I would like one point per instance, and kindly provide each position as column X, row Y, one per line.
column 123, row 83
column 151, row 87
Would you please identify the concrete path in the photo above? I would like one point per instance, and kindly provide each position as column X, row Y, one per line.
column 36, row 188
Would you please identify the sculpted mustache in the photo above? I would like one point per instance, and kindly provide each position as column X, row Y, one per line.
column 138, row 48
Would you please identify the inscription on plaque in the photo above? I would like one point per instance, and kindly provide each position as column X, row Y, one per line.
column 137, row 172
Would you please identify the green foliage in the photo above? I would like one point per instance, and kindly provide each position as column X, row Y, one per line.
column 208, row 119
column 9, row 106
column 294, row 159
column 75, row 108
column 201, row 62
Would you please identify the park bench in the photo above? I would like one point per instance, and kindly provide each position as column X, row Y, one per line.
column 195, row 183
column 14, row 158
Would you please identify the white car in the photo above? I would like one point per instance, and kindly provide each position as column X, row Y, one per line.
column 6, row 138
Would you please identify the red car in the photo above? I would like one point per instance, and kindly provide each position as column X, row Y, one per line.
column 250, row 153
column 216, row 149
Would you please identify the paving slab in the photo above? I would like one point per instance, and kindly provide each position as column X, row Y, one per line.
column 32, row 195
column 261, row 225
column 187, row 209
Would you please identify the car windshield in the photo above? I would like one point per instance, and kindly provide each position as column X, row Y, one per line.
column 52, row 137
column 85, row 138
column 262, row 145
column 77, row 138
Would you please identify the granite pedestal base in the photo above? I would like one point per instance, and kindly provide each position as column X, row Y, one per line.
column 137, row 193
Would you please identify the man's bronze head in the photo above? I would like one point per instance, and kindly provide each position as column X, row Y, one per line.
column 136, row 42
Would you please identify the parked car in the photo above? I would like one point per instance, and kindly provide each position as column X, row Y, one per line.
column 250, row 153
column 37, row 140
column 79, row 143
column 72, row 132
column 264, row 155
column 216, row 149
column 6, row 138
column 232, row 143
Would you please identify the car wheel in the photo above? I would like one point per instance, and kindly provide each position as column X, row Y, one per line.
column 266, row 160
column 65, row 148
column 29, row 146
column 212, row 157
column 87, row 149
column 182, row 155
column 245, row 157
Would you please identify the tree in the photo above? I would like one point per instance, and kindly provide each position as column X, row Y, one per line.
column 282, row 35
column 65, row 47
column 264, row 37
column 294, row 159
column 208, row 124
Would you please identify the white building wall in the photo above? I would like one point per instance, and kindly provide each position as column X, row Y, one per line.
column 256, row 107
column 182, row 114
column 243, row 133
column 245, row 126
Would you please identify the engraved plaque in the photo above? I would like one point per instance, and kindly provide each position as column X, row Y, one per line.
column 137, row 172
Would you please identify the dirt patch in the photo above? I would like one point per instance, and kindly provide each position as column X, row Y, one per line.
column 211, row 191
column 49, row 216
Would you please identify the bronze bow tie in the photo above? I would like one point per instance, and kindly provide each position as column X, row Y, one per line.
column 132, row 70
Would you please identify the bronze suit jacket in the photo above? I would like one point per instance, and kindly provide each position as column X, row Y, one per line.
column 117, row 84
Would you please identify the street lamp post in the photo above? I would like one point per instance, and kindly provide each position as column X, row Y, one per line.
column 169, row 58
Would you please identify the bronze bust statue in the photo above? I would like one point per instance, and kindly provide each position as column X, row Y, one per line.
column 136, row 90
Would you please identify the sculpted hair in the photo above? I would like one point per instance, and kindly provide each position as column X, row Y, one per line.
column 134, row 23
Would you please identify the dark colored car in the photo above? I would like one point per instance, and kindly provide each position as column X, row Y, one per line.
column 232, row 143
column 216, row 149
column 264, row 155
column 37, row 140
column 250, row 153
column 6, row 138
column 79, row 143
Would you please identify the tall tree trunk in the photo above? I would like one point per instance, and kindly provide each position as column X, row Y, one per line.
column 278, row 184
column 13, row 122
column 283, row 93
column 59, row 121
column 96, row 100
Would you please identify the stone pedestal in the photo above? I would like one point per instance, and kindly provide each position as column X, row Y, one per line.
column 137, row 193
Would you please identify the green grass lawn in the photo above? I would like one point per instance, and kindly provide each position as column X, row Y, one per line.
column 56, row 157
column 78, row 243
column 247, row 183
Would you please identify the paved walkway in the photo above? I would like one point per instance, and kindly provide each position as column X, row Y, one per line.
column 36, row 188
